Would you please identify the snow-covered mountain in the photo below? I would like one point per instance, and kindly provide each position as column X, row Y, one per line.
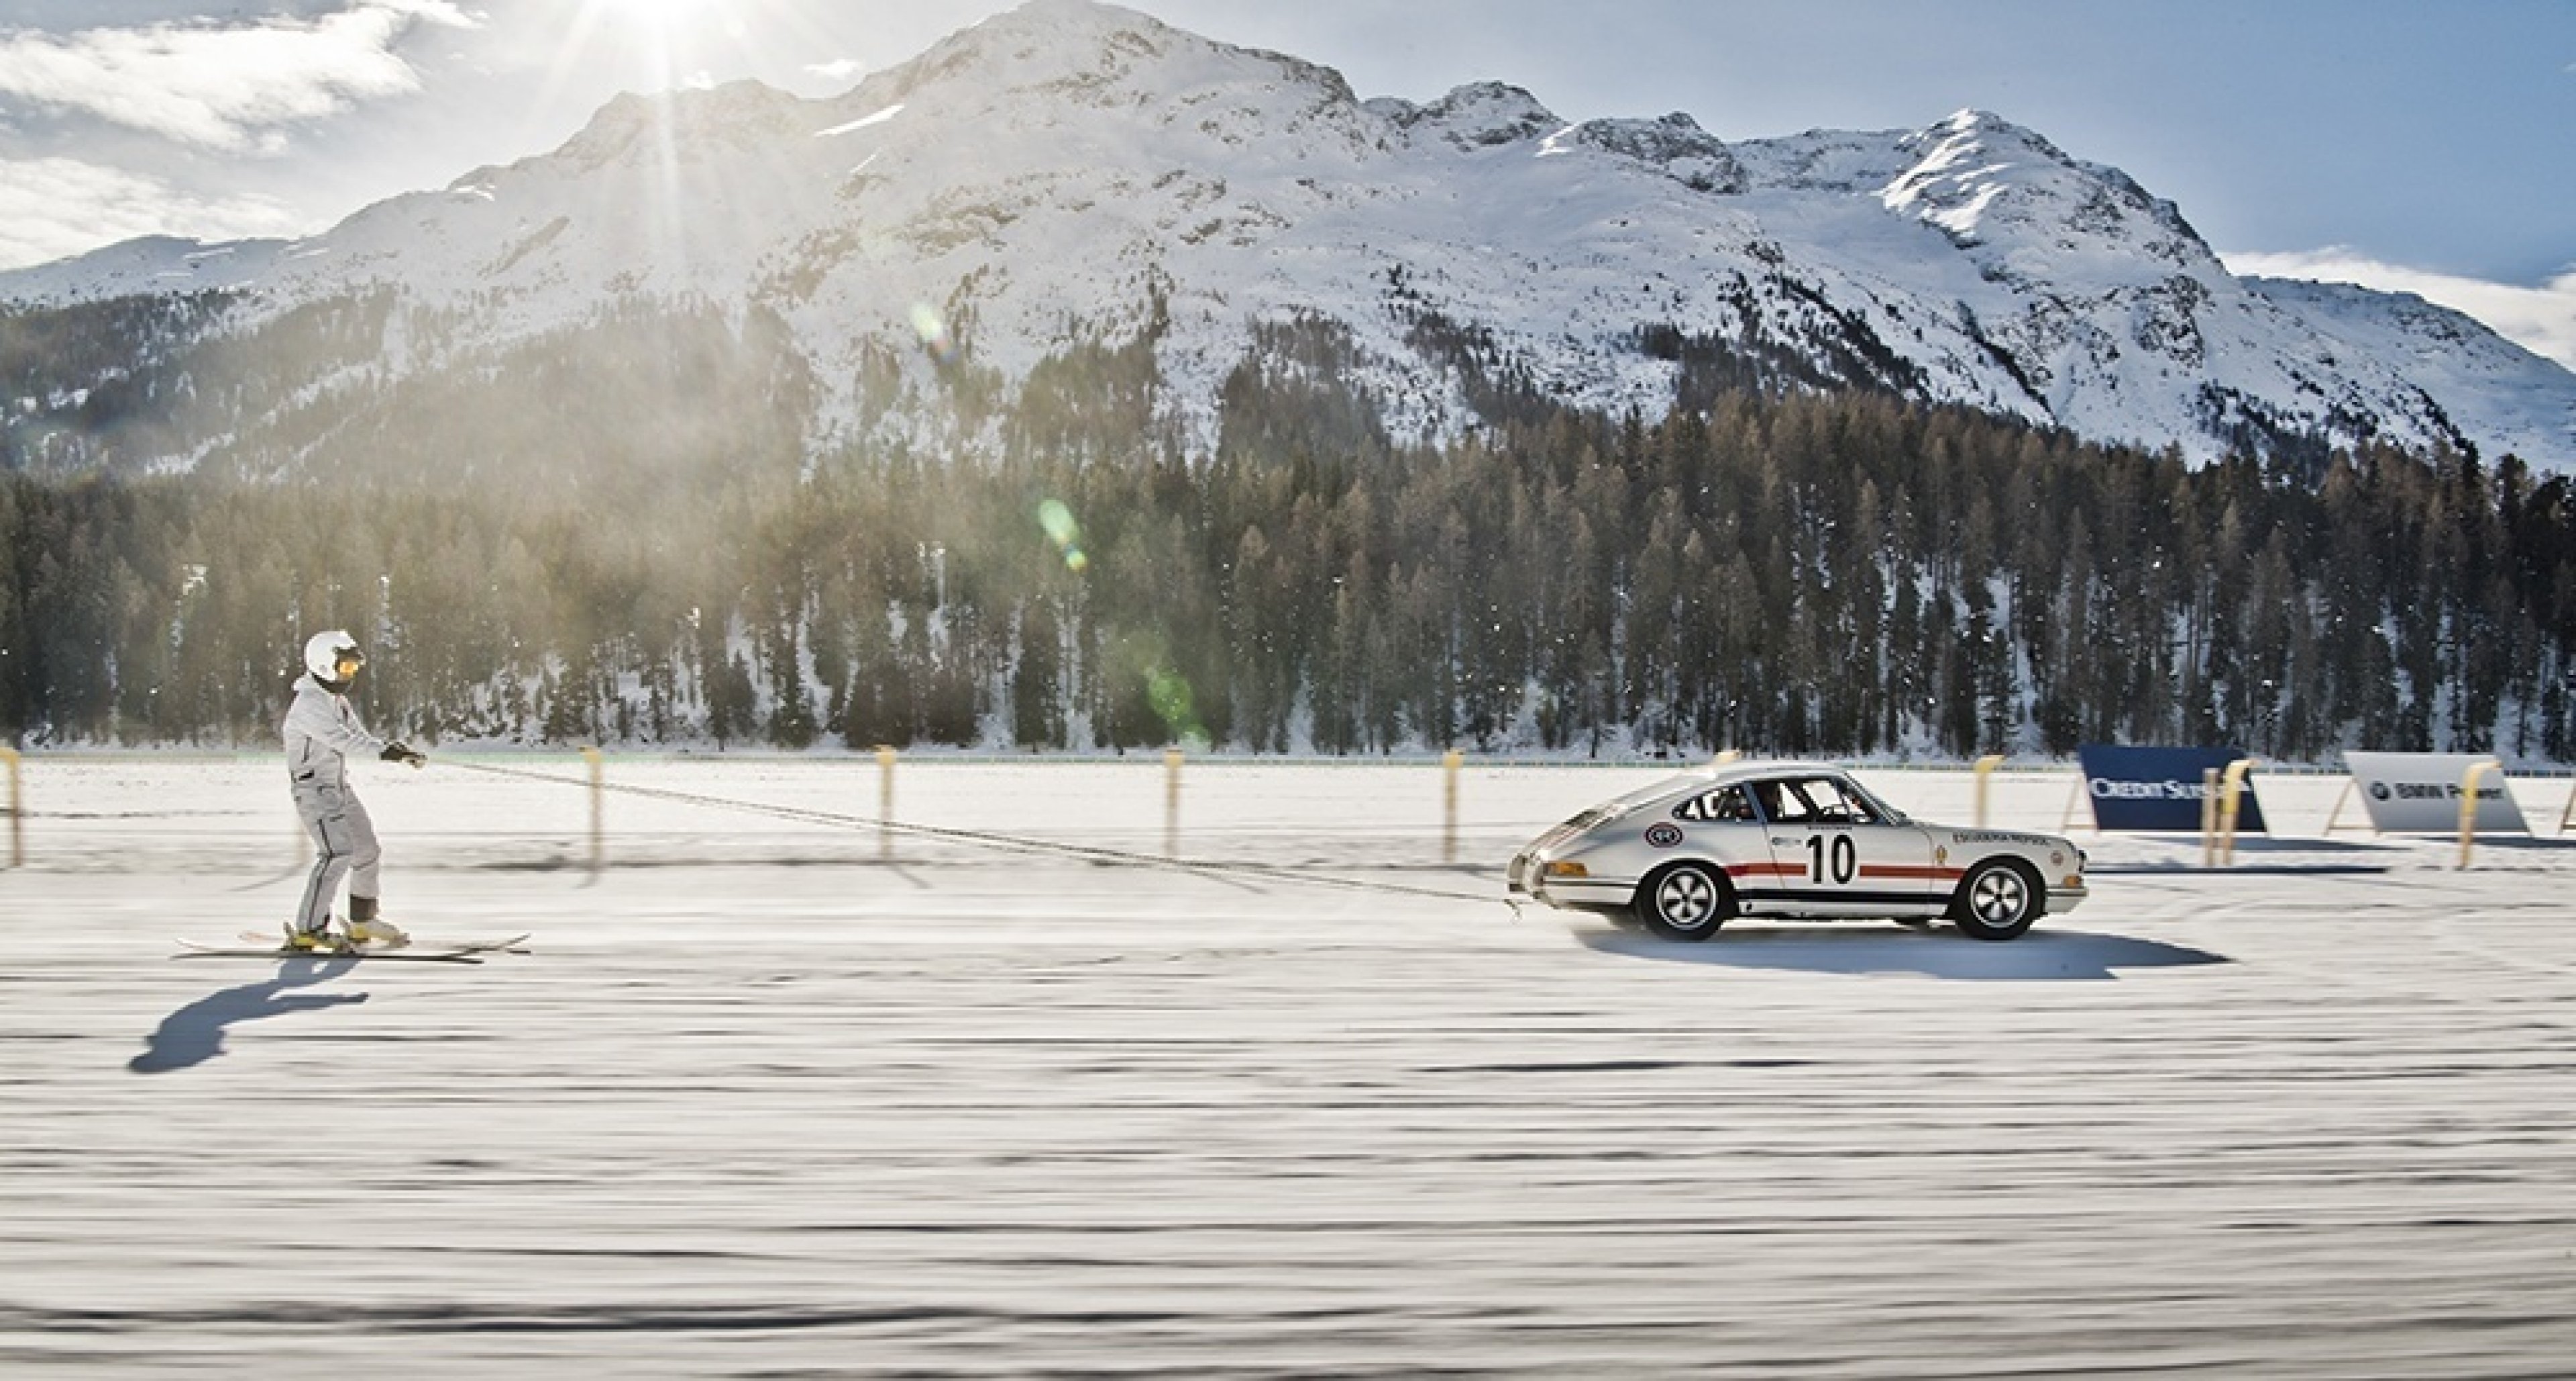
column 1072, row 173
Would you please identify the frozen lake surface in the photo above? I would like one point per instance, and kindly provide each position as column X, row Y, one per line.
column 768, row 1099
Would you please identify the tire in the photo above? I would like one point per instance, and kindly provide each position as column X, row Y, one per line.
column 1685, row 901
column 1998, row 900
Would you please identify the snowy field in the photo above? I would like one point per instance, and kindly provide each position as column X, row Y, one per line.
column 774, row 1097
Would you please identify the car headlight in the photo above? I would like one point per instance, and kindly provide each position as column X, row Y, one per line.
column 1565, row 868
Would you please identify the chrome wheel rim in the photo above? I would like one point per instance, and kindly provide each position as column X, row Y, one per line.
column 1999, row 896
column 1686, row 899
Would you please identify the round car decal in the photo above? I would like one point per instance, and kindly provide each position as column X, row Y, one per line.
column 1663, row 834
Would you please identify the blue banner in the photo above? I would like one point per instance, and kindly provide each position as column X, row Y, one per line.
column 2159, row 789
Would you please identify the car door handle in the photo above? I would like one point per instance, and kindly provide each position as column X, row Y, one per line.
column 1785, row 843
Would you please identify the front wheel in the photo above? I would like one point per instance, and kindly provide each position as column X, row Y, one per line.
column 1686, row 901
column 1997, row 900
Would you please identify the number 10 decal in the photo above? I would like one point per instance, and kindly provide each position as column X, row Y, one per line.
column 1843, row 857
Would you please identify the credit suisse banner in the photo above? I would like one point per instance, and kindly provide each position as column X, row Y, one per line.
column 2159, row 789
column 2419, row 793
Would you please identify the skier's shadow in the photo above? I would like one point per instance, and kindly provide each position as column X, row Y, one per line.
column 195, row 1033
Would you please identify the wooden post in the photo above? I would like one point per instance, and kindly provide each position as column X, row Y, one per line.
column 2230, row 797
column 17, row 812
column 1172, row 802
column 1449, row 805
column 1985, row 769
column 885, row 803
column 2469, row 803
column 2209, row 817
column 598, row 808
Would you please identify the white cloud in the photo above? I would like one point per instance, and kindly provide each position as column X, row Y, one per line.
column 223, row 87
column 838, row 69
column 51, row 208
column 2541, row 320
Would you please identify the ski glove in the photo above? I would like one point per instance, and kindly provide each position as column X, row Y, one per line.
column 404, row 753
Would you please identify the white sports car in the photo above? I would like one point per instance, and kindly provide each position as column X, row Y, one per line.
column 1687, row 854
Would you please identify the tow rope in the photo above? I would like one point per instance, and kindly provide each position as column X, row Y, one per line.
column 1088, row 853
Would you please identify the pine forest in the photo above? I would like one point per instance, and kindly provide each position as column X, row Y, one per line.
column 636, row 545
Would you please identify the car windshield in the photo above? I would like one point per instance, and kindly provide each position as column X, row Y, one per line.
column 1886, row 813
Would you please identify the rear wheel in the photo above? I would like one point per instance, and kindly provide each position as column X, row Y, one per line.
column 1685, row 901
column 1997, row 900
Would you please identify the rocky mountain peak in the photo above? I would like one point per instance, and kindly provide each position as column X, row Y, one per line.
column 1480, row 115
column 1976, row 173
column 1071, row 172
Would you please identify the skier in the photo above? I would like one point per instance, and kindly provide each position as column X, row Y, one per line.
column 321, row 730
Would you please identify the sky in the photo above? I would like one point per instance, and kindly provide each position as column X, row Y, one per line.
column 2406, row 146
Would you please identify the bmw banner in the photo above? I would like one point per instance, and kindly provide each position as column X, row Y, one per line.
column 2419, row 793
column 2159, row 789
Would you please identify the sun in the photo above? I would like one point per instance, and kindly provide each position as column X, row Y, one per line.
column 655, row 42
column 665, row 13
column 653, row 22
column 590, row 49
column 671, row 25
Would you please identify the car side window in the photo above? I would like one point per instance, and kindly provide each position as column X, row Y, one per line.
column 1724, row 804
column 1779, row 803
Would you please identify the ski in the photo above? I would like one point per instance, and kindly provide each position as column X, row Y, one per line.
column 193, row 949
column 255, row 945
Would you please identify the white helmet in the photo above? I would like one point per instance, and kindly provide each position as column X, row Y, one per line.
column 333, row 657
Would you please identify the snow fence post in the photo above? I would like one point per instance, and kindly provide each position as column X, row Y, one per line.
column 885, row 803
column 2230, row 796
column 1449, row 804
column 17, row 813
column 2469, row 803
column 1985, row 769
column 1171, row 802
column 598, row 809
column 2209, row 817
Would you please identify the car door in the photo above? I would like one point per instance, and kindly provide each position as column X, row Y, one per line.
column 1720, row 825
column 1834, row 852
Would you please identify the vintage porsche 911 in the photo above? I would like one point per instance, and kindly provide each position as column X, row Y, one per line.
column 1688, row 854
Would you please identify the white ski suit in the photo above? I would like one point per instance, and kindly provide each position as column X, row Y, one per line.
column 321, row 731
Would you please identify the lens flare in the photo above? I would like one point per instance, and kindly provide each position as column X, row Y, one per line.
column 1169, row 693
column 1057, row 521
column 935, row 337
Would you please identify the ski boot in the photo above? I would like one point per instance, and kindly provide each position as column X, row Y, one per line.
column 368, row 928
